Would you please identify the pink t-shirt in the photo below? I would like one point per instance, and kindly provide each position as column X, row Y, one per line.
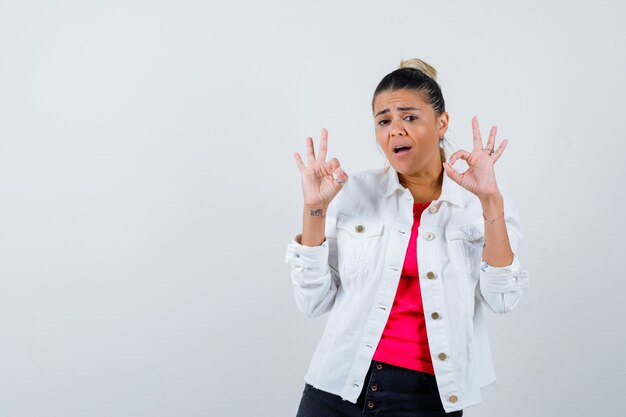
column 404, row 341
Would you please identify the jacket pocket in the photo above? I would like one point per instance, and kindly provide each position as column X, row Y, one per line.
column 466, row 247
column 358, row 248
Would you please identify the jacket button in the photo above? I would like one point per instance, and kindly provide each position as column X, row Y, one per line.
column 379, row 366
column 453, row 398
column 435, row 316
column 433, row 209
column 429, row 236
column 374, row 387
column 359, row 228
column 370, row 404
column 442, row 356
column 431, row 275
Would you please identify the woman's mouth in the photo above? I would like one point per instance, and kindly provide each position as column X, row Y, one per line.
column 401, row 149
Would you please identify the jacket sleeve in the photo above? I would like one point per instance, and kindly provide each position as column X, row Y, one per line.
column 501, row 287
column 314, row 274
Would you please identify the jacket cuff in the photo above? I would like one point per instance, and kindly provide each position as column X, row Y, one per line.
column 307, row 256
column 501, row 279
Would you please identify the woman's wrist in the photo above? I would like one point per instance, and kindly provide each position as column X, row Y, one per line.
column 493, row 207
column 315, row 210
column 313, row 224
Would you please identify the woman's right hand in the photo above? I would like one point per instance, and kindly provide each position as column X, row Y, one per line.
column 321, row 180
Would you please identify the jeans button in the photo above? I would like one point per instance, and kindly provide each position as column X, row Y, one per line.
column 374, row 387
column 370, row 404
column 379, row 366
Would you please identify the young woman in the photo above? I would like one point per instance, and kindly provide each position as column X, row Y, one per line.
column 404, row 258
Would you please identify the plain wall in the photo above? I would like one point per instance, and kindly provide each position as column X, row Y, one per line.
column 148, row 192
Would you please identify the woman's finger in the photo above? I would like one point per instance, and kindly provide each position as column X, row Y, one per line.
column 460, row 154
column 299, row 162
column 333, row 164
column 323, row 145
column 491, row 142
column 452, row 173
column 501, row 149
column 340, row 176
column 478, row 141
column 309, row 150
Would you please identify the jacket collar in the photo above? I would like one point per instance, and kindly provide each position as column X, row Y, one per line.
column 450, row 190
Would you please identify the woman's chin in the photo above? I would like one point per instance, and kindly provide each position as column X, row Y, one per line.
column 402, row 168
column 408, row 167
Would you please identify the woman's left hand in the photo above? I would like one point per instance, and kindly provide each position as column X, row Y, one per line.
column 479, row 178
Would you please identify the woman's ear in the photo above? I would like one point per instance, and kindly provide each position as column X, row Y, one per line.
column 442, row 123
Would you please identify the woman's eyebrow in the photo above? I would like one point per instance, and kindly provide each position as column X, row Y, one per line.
column 399, row 109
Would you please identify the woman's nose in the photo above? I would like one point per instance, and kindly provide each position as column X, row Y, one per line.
column 397, row 128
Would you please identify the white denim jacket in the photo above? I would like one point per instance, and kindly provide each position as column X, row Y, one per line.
column 356, row 271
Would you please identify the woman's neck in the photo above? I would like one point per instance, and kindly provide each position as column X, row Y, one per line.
column 424, row 186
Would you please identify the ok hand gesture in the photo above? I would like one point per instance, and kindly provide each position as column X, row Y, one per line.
column 479, row 178
column 321, row 180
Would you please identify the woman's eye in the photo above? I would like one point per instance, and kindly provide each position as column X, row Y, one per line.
column 410, row 117
column 382, row 122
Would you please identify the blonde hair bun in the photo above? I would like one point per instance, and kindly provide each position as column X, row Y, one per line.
column 419, row 65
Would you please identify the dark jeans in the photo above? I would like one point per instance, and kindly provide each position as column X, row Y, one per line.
column 389, row 391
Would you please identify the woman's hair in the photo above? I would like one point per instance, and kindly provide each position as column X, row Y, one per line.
column 416, row 75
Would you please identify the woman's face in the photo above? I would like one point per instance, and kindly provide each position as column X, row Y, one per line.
column 408, row 131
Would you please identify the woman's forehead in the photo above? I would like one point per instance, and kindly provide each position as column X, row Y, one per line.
column 391, row 100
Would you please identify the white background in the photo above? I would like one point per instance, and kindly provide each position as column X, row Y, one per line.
column 148, row 191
